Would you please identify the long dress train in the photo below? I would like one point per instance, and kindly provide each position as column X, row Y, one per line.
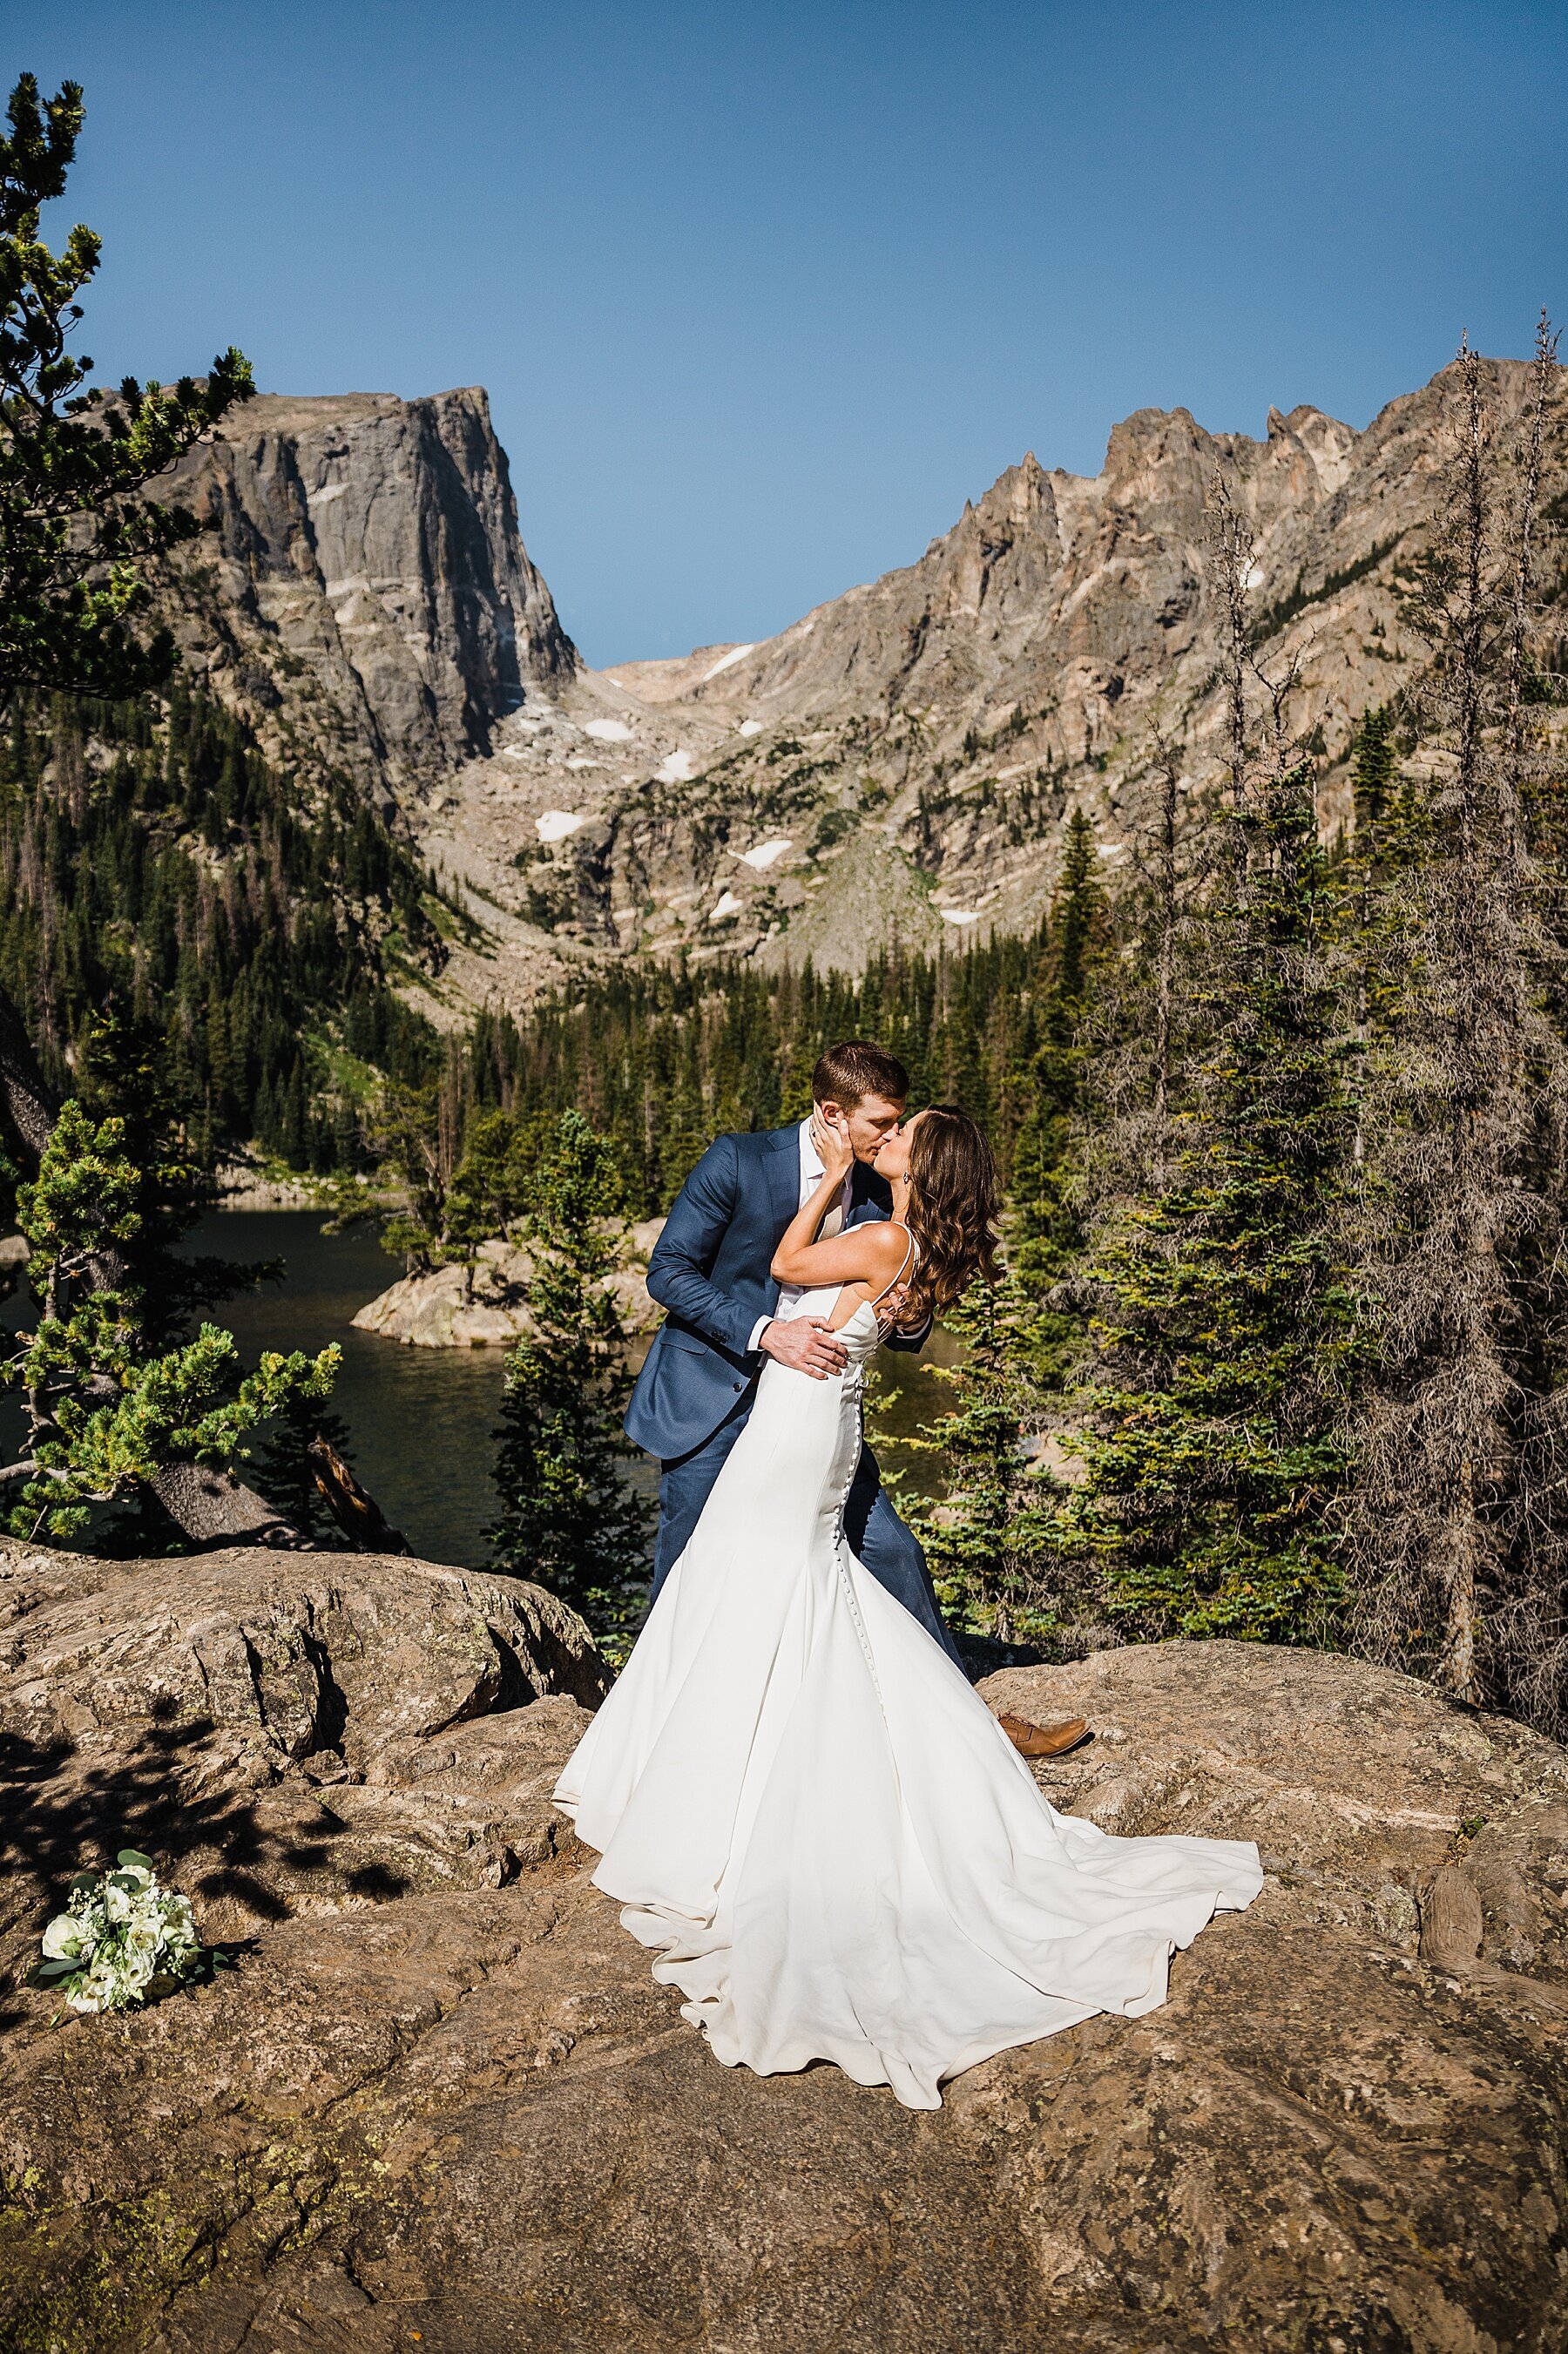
column 821, row 1830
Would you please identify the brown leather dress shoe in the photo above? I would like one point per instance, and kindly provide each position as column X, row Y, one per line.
column 1044, row 1740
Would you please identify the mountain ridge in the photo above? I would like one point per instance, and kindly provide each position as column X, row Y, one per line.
column 899, row 762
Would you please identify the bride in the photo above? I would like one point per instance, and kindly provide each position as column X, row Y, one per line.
column 823, row 1833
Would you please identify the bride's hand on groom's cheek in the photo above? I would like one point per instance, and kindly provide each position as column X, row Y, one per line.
column 831, row 1140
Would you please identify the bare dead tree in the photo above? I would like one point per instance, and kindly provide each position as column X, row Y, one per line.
column 1170, row 865
column 1139, row 1024
column 1231, row 549
column 1463, row 1245
column 352, row 1506
column 1523, row 620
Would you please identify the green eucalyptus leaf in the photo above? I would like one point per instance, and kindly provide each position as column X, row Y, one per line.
column 133, row 1855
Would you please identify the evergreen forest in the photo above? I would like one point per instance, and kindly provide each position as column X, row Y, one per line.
column 150, row 860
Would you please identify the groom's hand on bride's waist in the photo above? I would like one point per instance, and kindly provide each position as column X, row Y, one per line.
column 807, row 1343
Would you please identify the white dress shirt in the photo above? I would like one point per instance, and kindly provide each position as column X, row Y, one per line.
column 811, row 1173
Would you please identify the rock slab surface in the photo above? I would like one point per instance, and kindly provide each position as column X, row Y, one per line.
column 487, row 1306
column 428, row 2108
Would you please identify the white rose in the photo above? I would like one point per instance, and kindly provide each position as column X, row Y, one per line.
column 94, row 1990
column 135, row 1969
column 65, row 1940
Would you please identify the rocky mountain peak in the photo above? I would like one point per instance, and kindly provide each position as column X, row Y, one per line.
column 364, row 597
column 1020, row 495
column 1323, row 442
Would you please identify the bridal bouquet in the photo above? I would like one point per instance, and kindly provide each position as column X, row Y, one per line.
column 122, row 1938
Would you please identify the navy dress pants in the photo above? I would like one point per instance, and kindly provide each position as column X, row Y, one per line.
column 877, row 1537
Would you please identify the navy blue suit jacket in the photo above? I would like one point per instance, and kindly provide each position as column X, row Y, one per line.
column 711, row 1269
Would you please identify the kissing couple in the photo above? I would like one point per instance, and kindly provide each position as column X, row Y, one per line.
column 831, row 1845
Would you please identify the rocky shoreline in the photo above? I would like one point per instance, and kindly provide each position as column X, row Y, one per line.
column 242, row 1185
column 487, row 1306
column 440, row 2098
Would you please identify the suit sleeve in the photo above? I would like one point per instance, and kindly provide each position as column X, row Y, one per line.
column 678, row 1271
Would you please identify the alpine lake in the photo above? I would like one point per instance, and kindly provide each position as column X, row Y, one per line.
column 421, row 1422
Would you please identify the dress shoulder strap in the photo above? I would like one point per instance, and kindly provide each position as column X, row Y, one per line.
column 912, row 1251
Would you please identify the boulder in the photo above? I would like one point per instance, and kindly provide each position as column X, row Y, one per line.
column 464, row 2115
column 446, row 1310
column 280, row 1727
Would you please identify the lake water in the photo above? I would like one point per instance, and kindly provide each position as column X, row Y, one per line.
column 421, row 1421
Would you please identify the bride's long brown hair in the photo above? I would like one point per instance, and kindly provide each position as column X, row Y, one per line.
column 955, row 1197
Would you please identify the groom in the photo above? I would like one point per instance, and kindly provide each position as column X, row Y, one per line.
column 710, row 1270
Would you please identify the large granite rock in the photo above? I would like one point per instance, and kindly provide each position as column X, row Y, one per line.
column 487, row 1306
column 426, row 2112
column 301, row 1730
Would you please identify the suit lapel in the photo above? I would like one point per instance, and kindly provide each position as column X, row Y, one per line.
column 784, row 1177
column 867, row 1191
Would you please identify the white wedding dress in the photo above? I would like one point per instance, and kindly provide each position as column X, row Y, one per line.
column 824, row 1833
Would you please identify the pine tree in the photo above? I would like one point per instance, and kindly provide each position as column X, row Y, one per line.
column 490, row 1188
column 1373, row 767
column 74, row 466
column 105, row 1412
column 568, row 1516
column 1213, row 1442
column 74, row 459
column 405, row 1134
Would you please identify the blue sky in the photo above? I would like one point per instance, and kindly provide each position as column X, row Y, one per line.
column 762, row 294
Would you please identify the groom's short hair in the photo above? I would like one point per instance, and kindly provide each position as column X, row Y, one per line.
column 848, row 1073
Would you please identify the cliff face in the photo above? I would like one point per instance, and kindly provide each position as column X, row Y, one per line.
column 1059, row 595
column 1024, row 662
column 364, row 596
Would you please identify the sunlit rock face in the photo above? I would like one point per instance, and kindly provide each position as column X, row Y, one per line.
column 365, row 592
column 900, row 764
